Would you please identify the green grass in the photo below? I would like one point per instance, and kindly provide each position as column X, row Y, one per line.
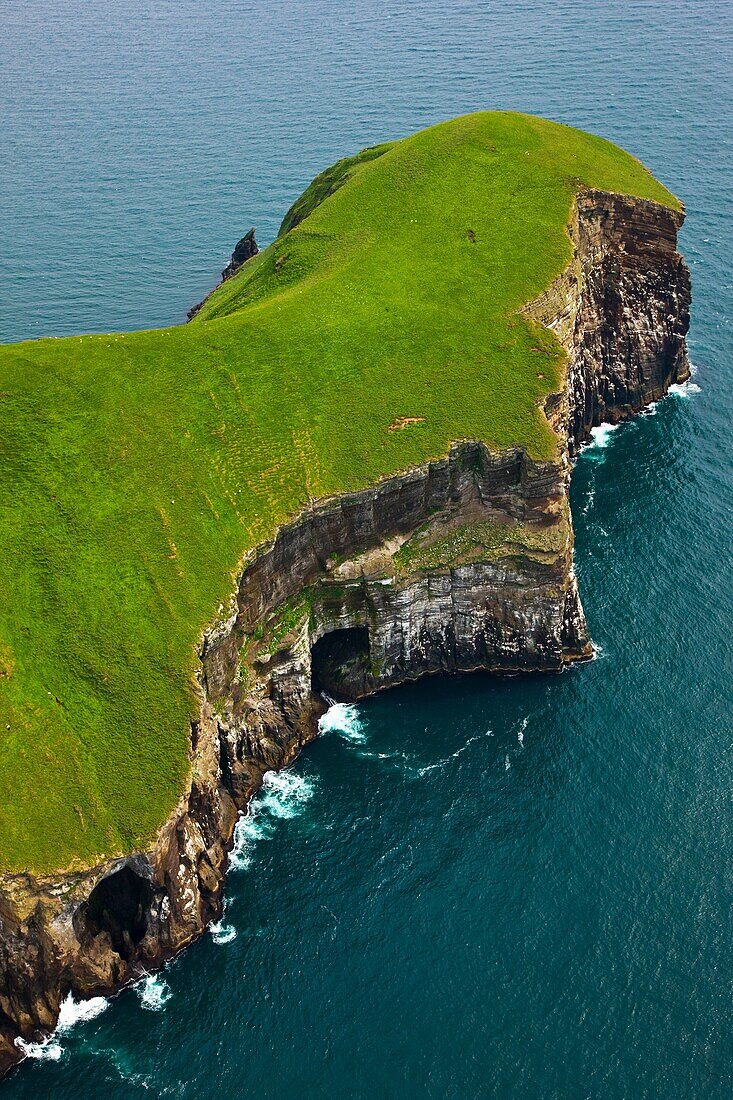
column 485, row 540
column 285, row 618
column 138, row 468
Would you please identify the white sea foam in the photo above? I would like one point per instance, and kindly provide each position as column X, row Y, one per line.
column 402, row 761
column 685, row 389
column 49, row 1050
column 284, row 794
column 601, row 435
column 143, row 1080
column 154, row 992
column 75, row 1012
column 589, row 500
column 343, row 718
column 71, row 1013
column 250, row 828
column 222, row 933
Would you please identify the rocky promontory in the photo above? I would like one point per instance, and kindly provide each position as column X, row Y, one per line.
column 457, row 564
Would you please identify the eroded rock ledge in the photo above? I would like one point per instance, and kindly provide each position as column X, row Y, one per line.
column 464, row 563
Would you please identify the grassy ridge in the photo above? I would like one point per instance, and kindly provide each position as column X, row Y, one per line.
column 137, row 468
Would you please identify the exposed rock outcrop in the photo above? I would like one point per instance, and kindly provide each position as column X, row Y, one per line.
column 461, row 564
column 244, row 250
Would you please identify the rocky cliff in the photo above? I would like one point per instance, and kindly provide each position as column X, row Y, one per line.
column 464, row 563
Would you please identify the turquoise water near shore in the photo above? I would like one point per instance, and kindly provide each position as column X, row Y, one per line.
column 468, row 887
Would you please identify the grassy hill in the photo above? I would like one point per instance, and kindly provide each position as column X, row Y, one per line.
column 136, row 469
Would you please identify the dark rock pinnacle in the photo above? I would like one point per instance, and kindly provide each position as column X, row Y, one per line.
column 243, row 250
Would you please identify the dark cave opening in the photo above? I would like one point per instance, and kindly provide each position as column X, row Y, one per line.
column 340, row 664
column 119, row 905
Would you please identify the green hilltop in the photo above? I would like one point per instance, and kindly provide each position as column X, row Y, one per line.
column 137, row 468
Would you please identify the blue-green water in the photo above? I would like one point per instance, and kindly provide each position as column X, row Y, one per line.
column 468, row 887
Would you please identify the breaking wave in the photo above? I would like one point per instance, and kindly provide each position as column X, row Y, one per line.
column 76, row 1012
column 71, row 1013
column 247, row 831
column 601, row 436
column 48, row 1050
column 342, row 718
column 154, row 992
column 222, row 933
column 283, row 795
column 685, row 389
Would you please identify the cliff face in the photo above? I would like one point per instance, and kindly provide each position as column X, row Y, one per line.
column 464, row 563
column 621, row 310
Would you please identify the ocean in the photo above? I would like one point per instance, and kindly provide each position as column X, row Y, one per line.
column 468, row 887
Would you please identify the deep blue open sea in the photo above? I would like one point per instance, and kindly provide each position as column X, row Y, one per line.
column 468, row 887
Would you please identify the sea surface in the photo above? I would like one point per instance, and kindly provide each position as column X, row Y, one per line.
column 468, row 887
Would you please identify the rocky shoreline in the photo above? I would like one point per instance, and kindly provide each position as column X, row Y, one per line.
column 463, row 563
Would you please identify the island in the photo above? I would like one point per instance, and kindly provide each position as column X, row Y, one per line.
column 349, row 470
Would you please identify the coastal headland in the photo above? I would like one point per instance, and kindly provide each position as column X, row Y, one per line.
column 349, row 470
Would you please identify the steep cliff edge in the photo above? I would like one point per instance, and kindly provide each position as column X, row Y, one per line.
column 621, row 310
column 459, row 564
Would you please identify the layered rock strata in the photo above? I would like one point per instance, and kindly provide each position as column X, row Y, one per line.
column 464, row 563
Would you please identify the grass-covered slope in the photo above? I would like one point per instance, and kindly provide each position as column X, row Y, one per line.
column 137, row 468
